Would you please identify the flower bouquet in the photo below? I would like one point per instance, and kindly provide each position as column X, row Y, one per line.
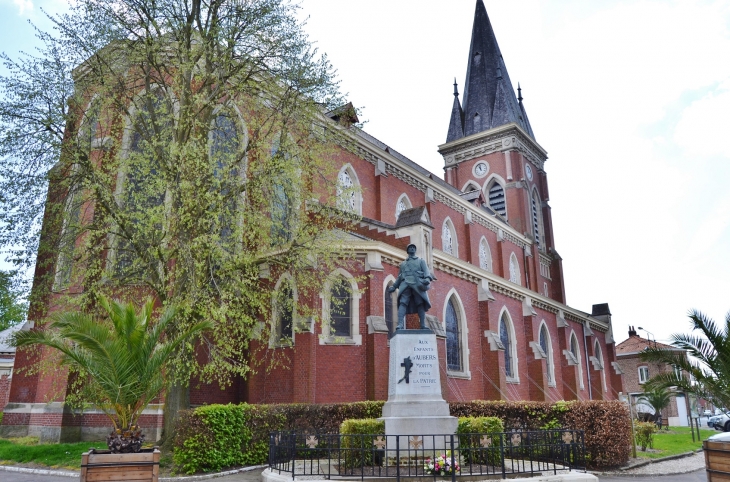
column 441, row 465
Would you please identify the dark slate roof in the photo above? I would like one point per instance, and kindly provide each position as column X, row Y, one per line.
column 413, row 216
column 601, row 309
column 456, row 124
column 489, row 98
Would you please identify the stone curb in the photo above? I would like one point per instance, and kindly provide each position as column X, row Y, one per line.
column 77, row 474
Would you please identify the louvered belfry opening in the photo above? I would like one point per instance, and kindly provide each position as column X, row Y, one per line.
column 535, row 222
column 497, row 200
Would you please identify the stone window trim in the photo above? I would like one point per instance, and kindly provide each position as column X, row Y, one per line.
column 275, row 341
column 355, row 198
column 449, row 242
column 511, row 346
column 126, row 146
column 389, row 280
column 577, row 354
column 598, row 363
column 96, row 142
column 548, row 349
column 355, row 337
column 643, row 374
column 465, row 372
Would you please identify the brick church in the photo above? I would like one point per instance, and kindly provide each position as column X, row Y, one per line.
column 485, row 231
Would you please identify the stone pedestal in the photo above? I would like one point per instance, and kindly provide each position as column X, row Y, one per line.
column 415, row 405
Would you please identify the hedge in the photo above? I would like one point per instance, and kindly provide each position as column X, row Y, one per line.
column 213, row 437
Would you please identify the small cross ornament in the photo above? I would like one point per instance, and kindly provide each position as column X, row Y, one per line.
column 567, row 437
column 416, row 442
column 486, row 441
column 312, row 441
column 379, row 442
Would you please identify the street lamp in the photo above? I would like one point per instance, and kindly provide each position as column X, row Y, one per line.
column 650, row 333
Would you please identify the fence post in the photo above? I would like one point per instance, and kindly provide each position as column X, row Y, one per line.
column 397, row 458
column 453, row 464
column 501, row 453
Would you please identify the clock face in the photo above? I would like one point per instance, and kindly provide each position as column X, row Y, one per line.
column 528, row 171
column 481, row 169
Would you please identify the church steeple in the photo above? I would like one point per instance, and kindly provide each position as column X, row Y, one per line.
column 489, row 98
column 456, row 124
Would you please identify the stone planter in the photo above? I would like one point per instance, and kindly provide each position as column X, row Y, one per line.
column 102, row 465
column 717, row 461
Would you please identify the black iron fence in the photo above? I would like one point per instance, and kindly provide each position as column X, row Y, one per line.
column 494, row 455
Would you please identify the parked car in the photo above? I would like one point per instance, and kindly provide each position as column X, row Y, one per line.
column 723, row 422
column 707, row 413
column 711, row 421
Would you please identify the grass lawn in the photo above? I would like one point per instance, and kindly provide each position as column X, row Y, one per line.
column 677, row 440
column 28, row 450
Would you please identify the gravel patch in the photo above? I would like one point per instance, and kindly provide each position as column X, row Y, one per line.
column 666, row 467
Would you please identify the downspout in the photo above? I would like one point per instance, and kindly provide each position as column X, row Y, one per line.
column 588, row 363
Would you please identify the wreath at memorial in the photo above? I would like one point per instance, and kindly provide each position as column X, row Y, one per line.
column 441, row 465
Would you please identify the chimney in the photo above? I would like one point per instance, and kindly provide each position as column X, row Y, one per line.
column 632, row 331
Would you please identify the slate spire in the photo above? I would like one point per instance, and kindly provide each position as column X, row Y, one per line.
column 456, row 124
column 489, row 98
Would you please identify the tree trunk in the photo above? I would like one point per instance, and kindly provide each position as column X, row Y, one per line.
column 177, row 398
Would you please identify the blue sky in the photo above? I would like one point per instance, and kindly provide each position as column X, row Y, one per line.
column 631, row 99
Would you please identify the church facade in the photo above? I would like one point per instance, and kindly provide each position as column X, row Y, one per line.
column 485, row 232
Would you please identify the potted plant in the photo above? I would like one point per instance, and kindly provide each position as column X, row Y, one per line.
column 122, row 357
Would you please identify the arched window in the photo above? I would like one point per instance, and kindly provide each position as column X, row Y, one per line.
column 391, row 315
column 225, row 148
column 284, row 302
column 348, row 190
column 497, row 200
column 505, row 336
column 89, row 128
column 537, row 220
column 575, row 350
column 70, row 231
column 143, row 185
column 282, row 195
column 402, row 204
column 546, row 345
column 340, row 308
column 453, row 338
column 485, row 255
column 448, row 238
column 514, row 269
column 598, row 365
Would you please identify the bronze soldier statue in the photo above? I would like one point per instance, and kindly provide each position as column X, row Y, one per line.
column 416, row 279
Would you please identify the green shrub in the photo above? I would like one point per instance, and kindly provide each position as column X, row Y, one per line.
column 213, row 438
column 358, row 448
column 606, row 425
column 645, row 434
column 479, row 449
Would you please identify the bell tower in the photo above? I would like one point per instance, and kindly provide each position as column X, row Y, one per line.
column 490, row 146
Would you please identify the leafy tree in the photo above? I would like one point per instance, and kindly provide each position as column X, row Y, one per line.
column 183, row 148
column 121, row 357
column 12, row 308
column 706, row 371
column 659, row 399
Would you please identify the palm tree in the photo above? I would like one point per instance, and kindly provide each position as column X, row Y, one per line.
column 124, row 361
column 659, row 399
column 708, row 363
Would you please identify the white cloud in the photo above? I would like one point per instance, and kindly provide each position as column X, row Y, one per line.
column 703, row 125
column 23, row 6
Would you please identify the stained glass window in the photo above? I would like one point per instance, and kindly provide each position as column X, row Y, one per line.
column 545, row 345
column 506, row 342
column 346, row 191
column 514, row 269
column 446, row 237
column 340, row 309
column 485, row 257
column 285, row 313
column 453, row 340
